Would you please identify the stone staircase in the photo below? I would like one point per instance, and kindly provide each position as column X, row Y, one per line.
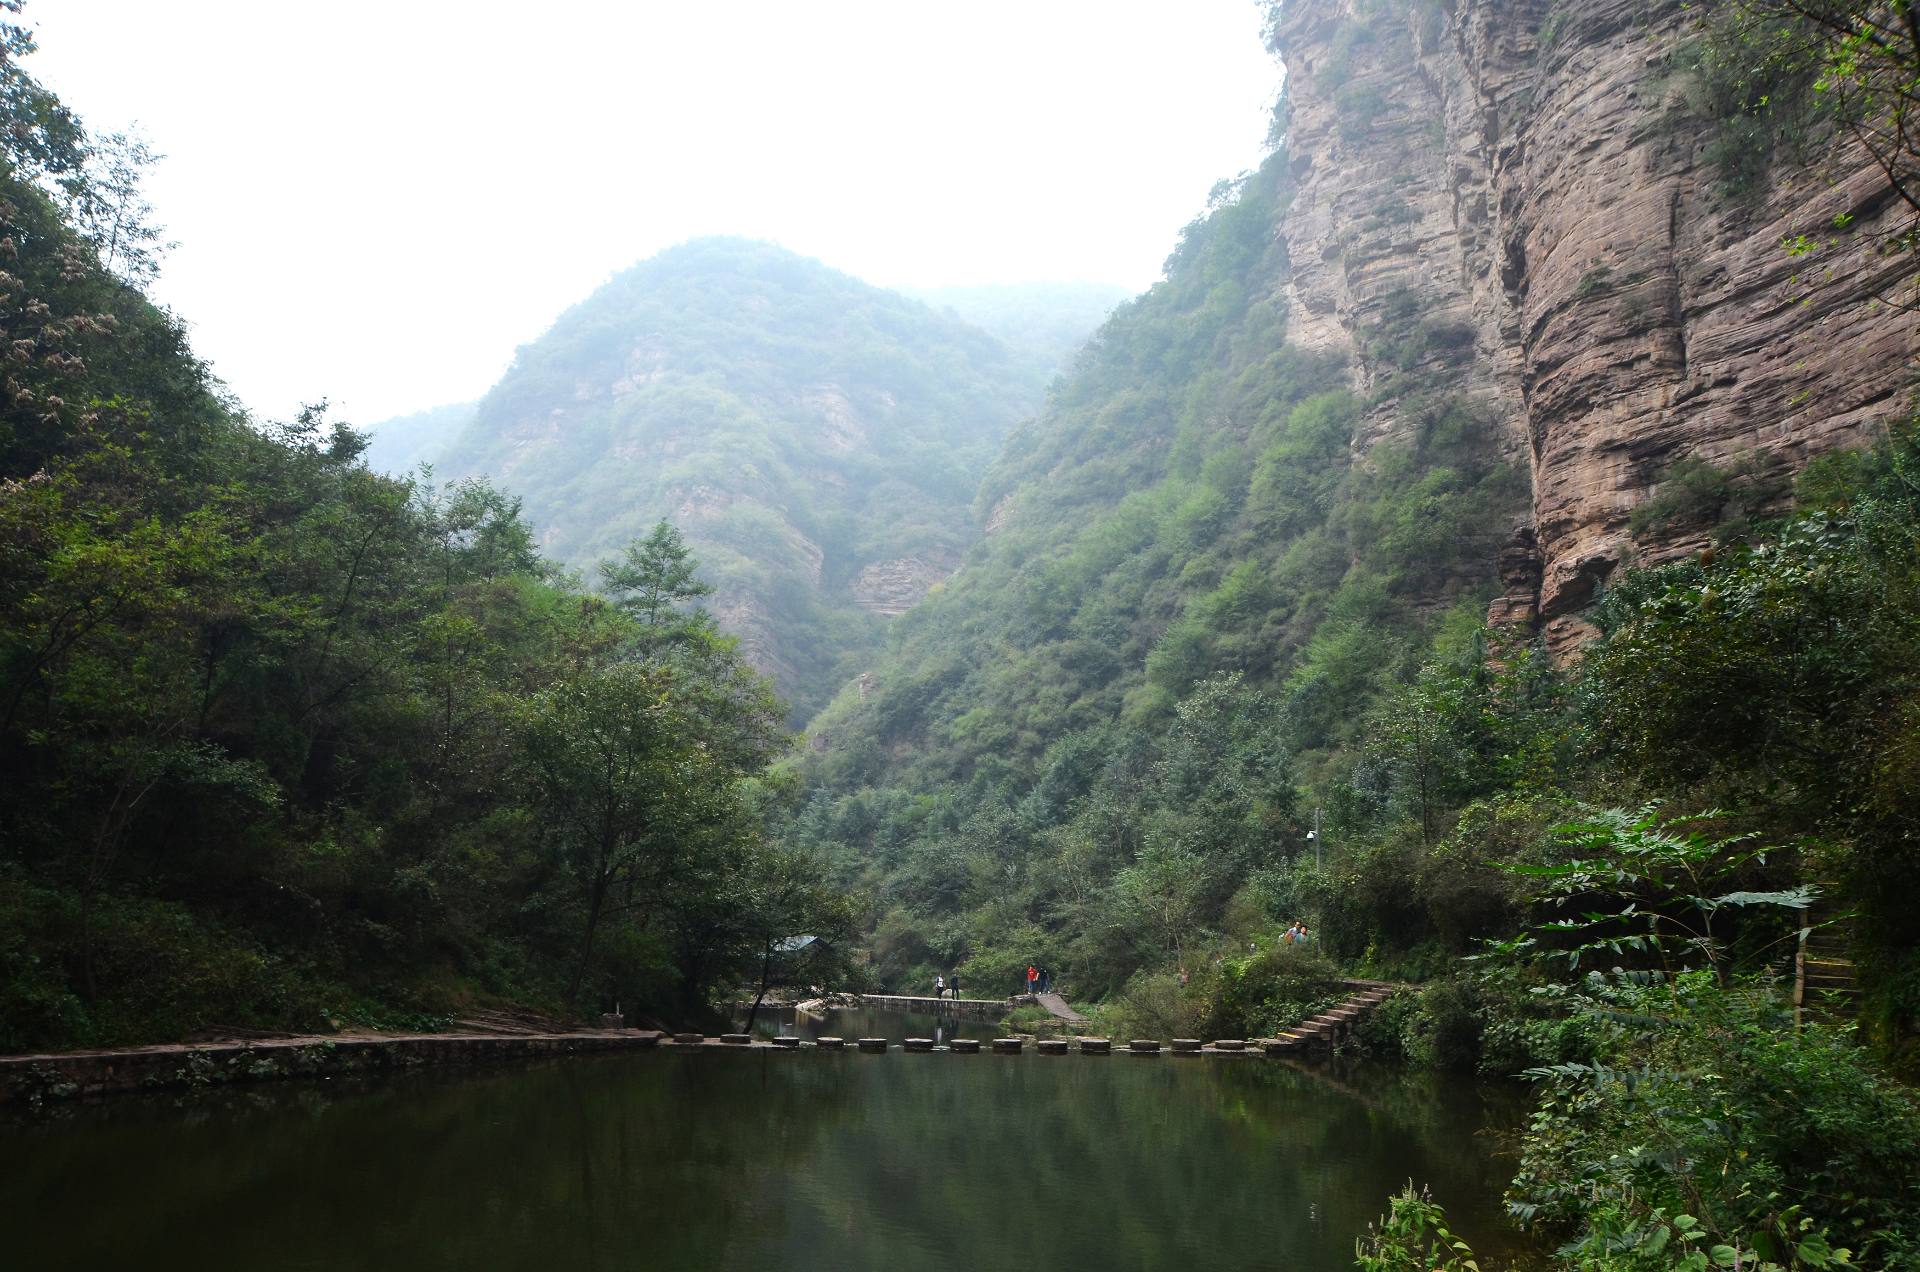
column 1824, row 978
column 1330, row 1028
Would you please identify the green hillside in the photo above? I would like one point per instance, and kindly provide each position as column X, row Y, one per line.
column 817, row 440
column 291, row 745
column 1187, row 564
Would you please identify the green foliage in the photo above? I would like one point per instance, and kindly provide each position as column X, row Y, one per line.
column 1189, row 584
column 1678, row 892
column 1780, row 1144
column 1256, row 995
column 798, row 428
column 1695, row 495
column 1707, row 1118
column 654, row 580
column 1751, row 73
column 1780, row 677
column 1413, row 1237
column 284, row 737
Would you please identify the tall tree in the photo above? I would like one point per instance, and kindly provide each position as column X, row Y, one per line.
column 654, row 580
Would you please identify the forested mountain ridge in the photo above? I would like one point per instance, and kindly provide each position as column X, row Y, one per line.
column 1516, row 482
column 1192, row 574
column 816, row 439
column 292, row 745
column 1368, row 408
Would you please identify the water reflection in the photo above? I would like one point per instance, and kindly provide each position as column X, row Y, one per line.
column 811, row 1160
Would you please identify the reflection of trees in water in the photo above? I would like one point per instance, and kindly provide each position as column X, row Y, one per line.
column 1452, row 1134
column 574, row 1166
column 1147, row 1162
column 690, row 1161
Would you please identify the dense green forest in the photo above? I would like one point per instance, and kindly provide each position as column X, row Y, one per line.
column 1182, row 557
column 816, row 439
column 1042, row 326
column 290, row 744
column 293, row 744
column 1225, row 599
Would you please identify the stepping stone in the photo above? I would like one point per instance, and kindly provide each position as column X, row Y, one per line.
column 1096, row 1046
column 965, row 1046
column 1230, row 1044
column 829, row 1044
column 1185, row 1046
column 918, row 1044
column 1052, row 1046
column 786, row 1040
column 1008, row 1046
column 688, row 1039
column 1144, row 1046
column 873, row 1045
column 736, row 1040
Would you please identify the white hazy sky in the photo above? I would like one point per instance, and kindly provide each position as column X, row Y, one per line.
column 376, row 203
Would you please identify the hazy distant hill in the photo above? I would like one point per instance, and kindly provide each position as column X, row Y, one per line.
column 818, row 441
column 1048, row 322
column 401, row 444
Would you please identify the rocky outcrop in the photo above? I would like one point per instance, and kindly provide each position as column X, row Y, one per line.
column 891, row 588
column 1517, row 197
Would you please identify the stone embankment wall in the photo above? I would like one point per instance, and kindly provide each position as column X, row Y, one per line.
column 1534, row 181
column 55, row 1076
column 67, row 1075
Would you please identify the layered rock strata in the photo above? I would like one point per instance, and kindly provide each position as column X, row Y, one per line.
column 1529, row 186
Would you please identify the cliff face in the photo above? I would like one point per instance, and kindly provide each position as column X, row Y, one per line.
column 1527, row 176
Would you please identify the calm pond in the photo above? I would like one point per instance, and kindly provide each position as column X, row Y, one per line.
column 738, row 1159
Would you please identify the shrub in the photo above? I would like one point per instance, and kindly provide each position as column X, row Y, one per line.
column 1446, row 1028
column 1264, row 992
column 1413, row 1237
column 1709, row 1107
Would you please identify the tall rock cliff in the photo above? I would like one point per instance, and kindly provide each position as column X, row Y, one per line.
column 1521, row 196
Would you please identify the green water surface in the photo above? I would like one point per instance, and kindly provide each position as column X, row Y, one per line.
column 803, row 1160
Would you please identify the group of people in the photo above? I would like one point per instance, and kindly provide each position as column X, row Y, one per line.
column 946, row 986
column 1039, row 980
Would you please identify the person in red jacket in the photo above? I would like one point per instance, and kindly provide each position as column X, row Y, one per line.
column 1033, row 979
